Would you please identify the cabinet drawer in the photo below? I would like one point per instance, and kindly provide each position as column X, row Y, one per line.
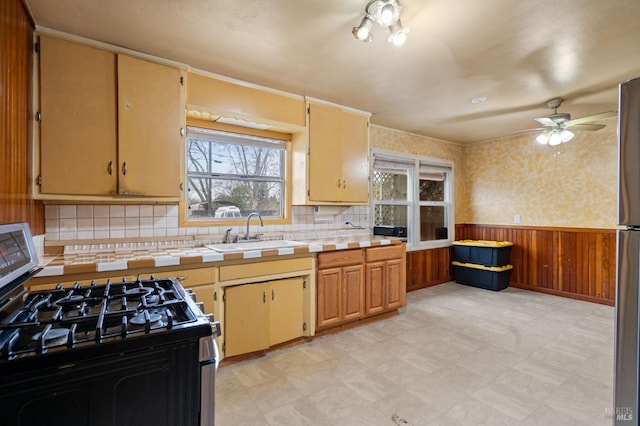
column 190, row 277
column 384, row 253
column 261, row 269
column 340, row 258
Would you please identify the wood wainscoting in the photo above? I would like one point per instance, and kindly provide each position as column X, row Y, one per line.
column 428, row 267
column 16, row 47
column 573, row 262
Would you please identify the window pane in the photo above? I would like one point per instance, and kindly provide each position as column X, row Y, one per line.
column 389, row 185
column 233, row 159
column 385, row 215
column 231, row 198
column 431, row 190
column 433, row 224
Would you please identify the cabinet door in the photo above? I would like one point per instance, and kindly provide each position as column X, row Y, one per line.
column 78, row 119
column 355, row 157
column 246, row 322
column 396, row 287
column 325, row 153
column 329, row 297
column 149, row 114
column 285, row 310
column 375, row 288
column 352, row 292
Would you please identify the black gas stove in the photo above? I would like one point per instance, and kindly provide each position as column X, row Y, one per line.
column 108, row 353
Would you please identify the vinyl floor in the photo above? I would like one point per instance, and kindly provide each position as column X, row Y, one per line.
column 456, row 355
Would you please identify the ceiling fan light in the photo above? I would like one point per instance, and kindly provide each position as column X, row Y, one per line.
column 363, row 31
column 543, row 138
column 555, row 139
column 398, row 34
column 566, row 135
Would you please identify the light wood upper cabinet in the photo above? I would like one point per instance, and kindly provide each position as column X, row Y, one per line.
column 110, row 124
column 149, row 112
column 331, row 165
column 78, row 126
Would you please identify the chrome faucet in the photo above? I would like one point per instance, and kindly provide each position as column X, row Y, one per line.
column 246, row 237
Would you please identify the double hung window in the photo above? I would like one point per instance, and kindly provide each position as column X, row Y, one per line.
column 230, row 175
column 416, row 193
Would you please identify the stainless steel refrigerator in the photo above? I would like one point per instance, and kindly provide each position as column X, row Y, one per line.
column 627, row 351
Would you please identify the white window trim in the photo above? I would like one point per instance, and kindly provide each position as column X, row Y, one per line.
column 413, row 203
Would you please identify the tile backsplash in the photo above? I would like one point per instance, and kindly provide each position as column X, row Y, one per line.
column 92, row 222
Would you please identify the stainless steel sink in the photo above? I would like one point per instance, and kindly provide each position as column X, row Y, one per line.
column 254, row 245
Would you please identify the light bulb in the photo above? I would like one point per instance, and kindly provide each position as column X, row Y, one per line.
column 543, row 138
column 555, row 139
column 386, row 15
column 363, row 31
column 566, row 135
column 398, row 34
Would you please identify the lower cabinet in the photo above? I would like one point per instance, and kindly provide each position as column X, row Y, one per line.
column 385, row 283
column 261, row 315
column 340, row 288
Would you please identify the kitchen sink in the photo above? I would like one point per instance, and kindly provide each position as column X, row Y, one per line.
column 254, row 245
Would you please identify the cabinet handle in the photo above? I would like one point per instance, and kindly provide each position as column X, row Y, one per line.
column 264, row 297
column 338, row 183
column 215, row 295
column 124, row 168
column 110, row 167
column 273, row 294
column 344, row 184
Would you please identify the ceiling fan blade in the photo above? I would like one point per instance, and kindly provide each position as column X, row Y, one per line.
column 590, row 127
column 590, row 118
column 546, row 121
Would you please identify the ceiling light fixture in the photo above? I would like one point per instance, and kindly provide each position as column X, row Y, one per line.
column 385, row 13
column 554, row 136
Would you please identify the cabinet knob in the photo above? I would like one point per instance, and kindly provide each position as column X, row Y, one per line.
column 273, row 294
column 338, row 183
column 344, row 184
column 110, row 168
column 264, row 297
column 124, row 168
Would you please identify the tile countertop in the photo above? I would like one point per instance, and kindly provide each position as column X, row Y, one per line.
column 122, row 260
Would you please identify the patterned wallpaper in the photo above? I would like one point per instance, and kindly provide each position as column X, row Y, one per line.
column 571, row 185
column 396, row 140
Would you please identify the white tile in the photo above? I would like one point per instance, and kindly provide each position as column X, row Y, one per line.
column 69, row 235
column 101, row 224
column 146, row 222
column 116, row 223
column 85, row 224
column 159, row 232
column 159, row 222
column 101, row 234
column 132, row 211
column 132, row 223
column 67, row 225
column 116, row 211
column 159, row 211
column 116, row 233
column 85, row 235
column 67, row 212
column 84, row 212
column 51, row 212
column 100, row 211
column 146, row 232
column 132, row 233
column 146, row 211
column 172, row 232
column 172, row 211
column 172, row 221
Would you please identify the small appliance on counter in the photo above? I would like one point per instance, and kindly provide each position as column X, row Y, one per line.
column 113, row 353
column 391, row 231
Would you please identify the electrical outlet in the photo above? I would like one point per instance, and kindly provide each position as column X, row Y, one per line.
column 516, row 218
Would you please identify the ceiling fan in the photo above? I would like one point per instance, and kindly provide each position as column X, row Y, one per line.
column 557, row 127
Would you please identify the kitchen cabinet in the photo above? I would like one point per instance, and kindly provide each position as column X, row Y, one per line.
column 333, row 160
column 385, row 282
column 261, row 315
column 340, row 288
column 110, row 124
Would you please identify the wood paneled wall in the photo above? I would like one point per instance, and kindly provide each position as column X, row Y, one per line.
column 571, row 262
column 16, row 33
column 428, row 267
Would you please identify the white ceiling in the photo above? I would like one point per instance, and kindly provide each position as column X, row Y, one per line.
column 518, row 53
